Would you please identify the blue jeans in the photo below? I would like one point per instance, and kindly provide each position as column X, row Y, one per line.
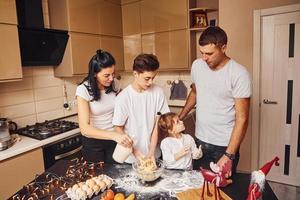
column 212, row 153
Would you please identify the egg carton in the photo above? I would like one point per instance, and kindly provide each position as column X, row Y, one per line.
column 86, row 189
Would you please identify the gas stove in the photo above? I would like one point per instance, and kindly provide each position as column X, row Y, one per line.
column 47, row 129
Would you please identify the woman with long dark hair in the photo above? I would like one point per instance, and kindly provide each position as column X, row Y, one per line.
column 96, row 99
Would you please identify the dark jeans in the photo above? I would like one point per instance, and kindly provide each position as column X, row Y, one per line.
column 95, row 150
column 212, row 153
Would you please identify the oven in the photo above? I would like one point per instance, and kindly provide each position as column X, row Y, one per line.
column 66, row 149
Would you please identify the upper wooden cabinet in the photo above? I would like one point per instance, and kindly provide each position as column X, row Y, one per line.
column 131, row 19
column 132, row 48
column 114, row 45
column 10, row 58
column 110, row 19
column 80, row 49
column 8, row 13
column 92, row 16
column 164, row 15
column 171, row 48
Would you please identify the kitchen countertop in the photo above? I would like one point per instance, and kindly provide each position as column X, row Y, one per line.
column 237, row 190
column 27, row 144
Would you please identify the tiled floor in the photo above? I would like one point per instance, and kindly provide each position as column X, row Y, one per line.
column 285, row 192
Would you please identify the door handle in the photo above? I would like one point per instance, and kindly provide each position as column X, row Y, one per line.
column 267, row 101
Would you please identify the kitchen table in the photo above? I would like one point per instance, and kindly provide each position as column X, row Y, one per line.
column 237, row 190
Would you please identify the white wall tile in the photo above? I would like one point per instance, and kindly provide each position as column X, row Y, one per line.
column 17, row 111
column 24, row 84
column 48, row 93
column 43, row 71
column 54, row 114
column 24, row 121
column 46, row 81
column 49, row 105
column 15, row 98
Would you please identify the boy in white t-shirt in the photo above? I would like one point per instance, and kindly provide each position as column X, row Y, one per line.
column 136, row 108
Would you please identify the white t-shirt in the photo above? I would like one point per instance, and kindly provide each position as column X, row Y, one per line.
column 101, row 112
column 171, row 145
column 216, row 92
column 138, row 111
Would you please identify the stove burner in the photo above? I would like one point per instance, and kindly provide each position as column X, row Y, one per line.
column 43, row 130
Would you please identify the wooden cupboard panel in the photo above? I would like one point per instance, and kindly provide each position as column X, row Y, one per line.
column 58, row 14
column 10, row 58
column 128, row 1
column 110, row 16
column 114, row 45
column 132, row 48
column 83, row 47
column 115, row 1
column 131, row 19
column 84, row 16
column 8, row 13
column 19, row 171
column 171, row 48
column 164, row 15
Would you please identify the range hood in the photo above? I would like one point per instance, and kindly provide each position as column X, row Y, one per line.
column 39, row 46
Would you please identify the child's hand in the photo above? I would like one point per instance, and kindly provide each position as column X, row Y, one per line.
column 197, row 153
column 184, row 151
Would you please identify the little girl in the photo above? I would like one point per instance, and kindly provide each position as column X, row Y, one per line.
column 178, row 149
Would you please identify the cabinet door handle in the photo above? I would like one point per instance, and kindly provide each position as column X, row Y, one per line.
column 267, row 101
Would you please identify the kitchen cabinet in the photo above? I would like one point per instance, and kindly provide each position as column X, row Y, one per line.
column 88, row 23
column 128, row 1
column 10, row 58
column 19, row 171
column 114, row 45
column 131, row 19
column 170, row 47
column 93, row 16
column 165, row 15
column 80, row 48
column 156, row 27
column 132, row 48
column 8, row 13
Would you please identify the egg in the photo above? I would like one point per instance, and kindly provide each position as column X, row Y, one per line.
column 96, row 189
column 98, row 181
column 84, row 187
column 80, row 184
column 89, row 192
column 91, row 183
column 75, row 187
column 107, row 181
column 102, row 185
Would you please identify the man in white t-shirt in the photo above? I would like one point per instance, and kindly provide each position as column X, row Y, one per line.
column 136, row 108
column 221, row 92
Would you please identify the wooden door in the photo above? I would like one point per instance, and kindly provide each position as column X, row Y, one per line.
column 280, row 96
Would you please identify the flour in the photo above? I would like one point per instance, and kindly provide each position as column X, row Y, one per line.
column 171, row 181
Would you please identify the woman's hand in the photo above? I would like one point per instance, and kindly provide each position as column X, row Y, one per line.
column 123, row 139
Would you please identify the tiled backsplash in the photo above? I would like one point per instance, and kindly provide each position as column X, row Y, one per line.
column 163, row 79
column 40, row 96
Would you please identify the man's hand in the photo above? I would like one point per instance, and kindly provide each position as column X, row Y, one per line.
column 138, row 155
column 225, row 166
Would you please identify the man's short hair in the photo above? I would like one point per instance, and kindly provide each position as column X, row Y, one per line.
column 145, row 62
column 213, row 35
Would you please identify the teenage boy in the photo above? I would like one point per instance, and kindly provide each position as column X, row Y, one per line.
column 136, row 108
